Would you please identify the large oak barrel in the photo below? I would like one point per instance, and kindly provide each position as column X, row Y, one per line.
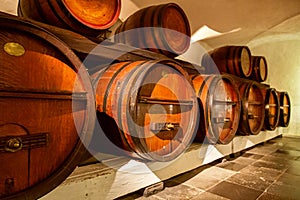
column 220, row 106
column 234, row 60
column 285, row 109
column 161, row 28
column 153, row 104
column 259, row 68
column 47, row 107
column 272, row 107
column 82, row 16
column 253, row 107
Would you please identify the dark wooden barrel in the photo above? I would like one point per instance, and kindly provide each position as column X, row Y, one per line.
column 285, row 109
column 165, row 30
column 259, row 68
column 47, row 105
column 220, row 108
column 272, row 107
column 82, row 16
column 153, row 104
column 234, row 60
column 253, row 107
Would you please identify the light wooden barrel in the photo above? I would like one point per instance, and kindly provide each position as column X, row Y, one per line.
column 160, row 28
column 220, row 106
column 234, row 60
column 285, row 109
column 253, row 108
column 153, row 105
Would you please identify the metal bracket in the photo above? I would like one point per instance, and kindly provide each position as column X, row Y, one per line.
column 22, row 142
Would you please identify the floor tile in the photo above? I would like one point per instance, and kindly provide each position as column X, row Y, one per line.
column 202, row 181
column 218, row 173
column 230, row 165
column 284, row 191
column 179, row 192
column 263, row 149
column 288, row 179
column 234, row 191
column 244, row 160
column 268, row 196
column 275, row 159
column 209, row 196
column 252, row 156
column 250, row 181
column 262, row 172
column 271, row 165
column 290, row 154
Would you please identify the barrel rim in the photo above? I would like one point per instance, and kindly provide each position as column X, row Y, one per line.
column 94, row 26
column 186, row 22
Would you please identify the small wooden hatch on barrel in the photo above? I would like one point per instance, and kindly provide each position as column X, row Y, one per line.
column 234, row 60
column 220, row 106
column 46, row 107
column 153, row 104
column 285, row 109
column 82, row 16
column 161, row 28
column 253, row 107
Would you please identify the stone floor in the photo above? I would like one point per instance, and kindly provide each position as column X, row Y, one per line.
column 270, row 171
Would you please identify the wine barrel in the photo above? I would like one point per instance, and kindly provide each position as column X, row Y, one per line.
column 285, row 109
column 272, row 108
column 82, row 16
column 153, row 104
column 259, row 68
column 234, row 60
column 163, row 29
column 220, row 108
column 47, row 109
column 253, row 108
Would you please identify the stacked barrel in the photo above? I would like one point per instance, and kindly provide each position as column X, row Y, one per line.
column 148, row 109
column 262, row 107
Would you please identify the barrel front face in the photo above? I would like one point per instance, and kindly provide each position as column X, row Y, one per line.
column 285, row 109
column 253, row 108
column 260, row 68
column 164, row 29
column 88, row 18
column 44, row 106
column 154, row 106
column 98, row 14
column 272, row 109
column 245, row 61
column 221, row 108
column 176, row 29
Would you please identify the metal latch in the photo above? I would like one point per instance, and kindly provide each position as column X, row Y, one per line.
column 169, row 126
column 22, row 142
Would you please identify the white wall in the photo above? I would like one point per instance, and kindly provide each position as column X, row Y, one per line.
column 282, row 51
